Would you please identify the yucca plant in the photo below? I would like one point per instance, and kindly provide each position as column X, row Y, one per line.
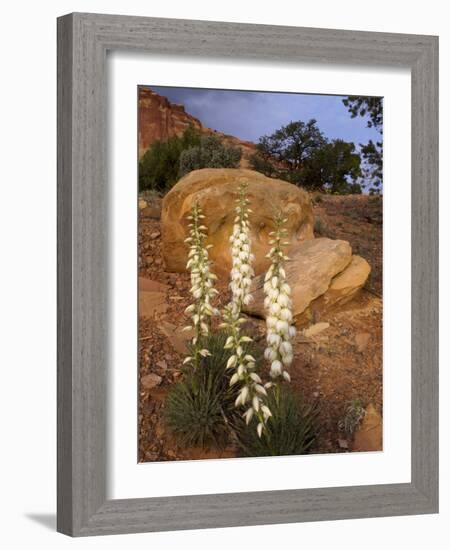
column 291, row 430
column 200, row 409
column 194, row 411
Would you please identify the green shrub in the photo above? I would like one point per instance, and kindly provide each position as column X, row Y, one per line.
column 159, row 166
column 290, row 431
column 200, row 409
column 165, row 162
column 263, row 165
column 210, row 153
column 354, row 413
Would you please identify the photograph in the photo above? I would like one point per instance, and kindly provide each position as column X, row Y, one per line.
column 221, row 294
column 260, row 273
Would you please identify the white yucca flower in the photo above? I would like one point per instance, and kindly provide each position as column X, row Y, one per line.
column 278, row 305
column 252, row 394
column 241, row 255
column 202, row 285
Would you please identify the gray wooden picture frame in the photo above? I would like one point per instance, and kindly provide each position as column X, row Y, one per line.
column 83, row 41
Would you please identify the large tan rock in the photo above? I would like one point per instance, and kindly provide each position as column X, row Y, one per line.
column 216, row 190
column 309, row 272
column 343, row 287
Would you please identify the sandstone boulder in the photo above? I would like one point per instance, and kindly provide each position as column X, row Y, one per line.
column 216, row 190
column 369, row 435
column 348, row 282
column 310, row 270
column 343, row 287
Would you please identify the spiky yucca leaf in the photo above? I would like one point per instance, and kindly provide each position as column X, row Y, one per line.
column 290, row 431
column 200, row 409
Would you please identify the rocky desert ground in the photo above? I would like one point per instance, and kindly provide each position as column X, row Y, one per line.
column 338, row 347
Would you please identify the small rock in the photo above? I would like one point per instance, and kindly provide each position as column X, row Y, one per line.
column 155, row 235
column 361, row 341
column 150, row 381
column 152, row 303
column 162, row 364
column 159, row 430
column 343, row 443
column 177, row 338
column 148, row 285
column 316, row 394
column 315, row 329
column 142, row 204
column 151, row 211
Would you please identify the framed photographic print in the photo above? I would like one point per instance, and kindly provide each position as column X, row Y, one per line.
column 247, row 274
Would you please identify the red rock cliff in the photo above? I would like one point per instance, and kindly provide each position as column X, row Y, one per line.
column 159, row 119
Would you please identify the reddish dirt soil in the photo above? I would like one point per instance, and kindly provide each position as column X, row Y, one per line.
column 340, row 364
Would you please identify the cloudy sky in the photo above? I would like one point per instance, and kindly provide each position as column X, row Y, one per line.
column 249, row 115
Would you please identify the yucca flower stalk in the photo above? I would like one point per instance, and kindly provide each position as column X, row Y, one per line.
column 252, row 393
column 278, row 305
column 241, row 256
column 202, row 285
